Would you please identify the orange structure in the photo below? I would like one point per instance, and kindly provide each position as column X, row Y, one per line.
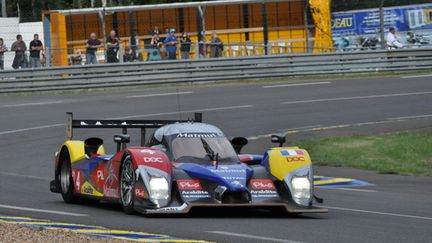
column 249, row 26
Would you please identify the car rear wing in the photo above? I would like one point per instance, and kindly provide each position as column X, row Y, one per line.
column 123, row 124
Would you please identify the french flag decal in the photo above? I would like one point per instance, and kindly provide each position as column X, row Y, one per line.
column 291, row 152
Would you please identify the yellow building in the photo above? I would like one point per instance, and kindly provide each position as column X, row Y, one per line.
column 247, row 27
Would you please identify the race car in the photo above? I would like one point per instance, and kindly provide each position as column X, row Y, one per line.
column 185, row 164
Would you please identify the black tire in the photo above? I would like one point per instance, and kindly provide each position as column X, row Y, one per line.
column 66, row 180
column 127, row 185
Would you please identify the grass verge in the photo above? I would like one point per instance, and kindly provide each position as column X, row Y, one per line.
column 396, row 153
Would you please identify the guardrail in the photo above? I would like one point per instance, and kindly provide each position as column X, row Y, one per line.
column 203, row 70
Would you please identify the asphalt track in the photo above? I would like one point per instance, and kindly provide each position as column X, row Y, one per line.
column 397, row 209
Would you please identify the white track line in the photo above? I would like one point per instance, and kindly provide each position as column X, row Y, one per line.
column 31, row 128
column 356, row 98
column 32, row 104
column 418, row 76
column 379, row 213
column 253, row 237
column 346, row 189
column 134, row 116
column 157, row 95
column 185, row 111
column 42, row 211
column 410, row 117
column 294, row 85
column 25, row 176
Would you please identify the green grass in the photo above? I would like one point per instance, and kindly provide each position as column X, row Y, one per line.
column 397, row 153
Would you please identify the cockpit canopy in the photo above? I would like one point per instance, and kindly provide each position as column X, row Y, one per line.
column 195, row 143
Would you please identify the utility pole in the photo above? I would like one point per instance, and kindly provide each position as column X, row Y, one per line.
column 382, row 24
column 3, row 5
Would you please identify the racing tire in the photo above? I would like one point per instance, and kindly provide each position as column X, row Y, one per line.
column 66, row 180
column 127, row 185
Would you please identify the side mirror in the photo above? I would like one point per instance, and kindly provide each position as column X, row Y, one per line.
column 278, row 138
column 121, row 141
column 238, row 143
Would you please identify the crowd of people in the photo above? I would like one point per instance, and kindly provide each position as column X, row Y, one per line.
column 21, row 59
column 157, row 48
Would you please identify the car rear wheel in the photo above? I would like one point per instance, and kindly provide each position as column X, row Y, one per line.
column 127, row 185
column 66, row 181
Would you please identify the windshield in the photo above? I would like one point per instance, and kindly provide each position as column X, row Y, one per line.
column 201, row 150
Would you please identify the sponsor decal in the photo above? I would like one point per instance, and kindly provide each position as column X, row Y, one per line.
column 110, row 188
column 88, row 189
column 77, row 178
column 291, row 152
column 140, row 193
column 189, row 185
column 262, row 184
column 197, row 135
column 264, row 193
column 195, row 194
column 148, row 151
column 153, row 160
column 227, row 171
column 172, row 209
column 295, row 159
column 98, row 177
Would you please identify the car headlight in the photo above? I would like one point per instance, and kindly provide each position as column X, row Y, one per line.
column 159, row 188
column 301, row 190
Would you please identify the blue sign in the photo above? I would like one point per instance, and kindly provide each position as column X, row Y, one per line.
column 367, row 22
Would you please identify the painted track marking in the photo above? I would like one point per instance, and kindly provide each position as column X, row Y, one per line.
column 294, row 85
column 379, row 213
column 158, row 95
column 253, row 237
column 42, row 210
column 185, row 111
column 347, row 189
column 32, row 104
column 356, row 98
column 410, row 117
column 25, row 176
column 418, row 76
column 124, row 235
column 31, row 128
column 134, row 116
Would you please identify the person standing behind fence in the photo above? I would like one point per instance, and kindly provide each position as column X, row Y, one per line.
column 171, row 42
column 392, row 41
column 36, row 47
column 185, row 47
column 216, row 47
column 92, row 45
column 19, row 47
column 3, row 49
column 113, row 45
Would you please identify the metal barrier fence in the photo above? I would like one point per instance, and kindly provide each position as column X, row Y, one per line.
column 204, row 70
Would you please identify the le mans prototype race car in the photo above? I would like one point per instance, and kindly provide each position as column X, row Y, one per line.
column 184, row 165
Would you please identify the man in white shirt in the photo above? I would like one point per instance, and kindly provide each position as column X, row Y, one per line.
column 392, row 41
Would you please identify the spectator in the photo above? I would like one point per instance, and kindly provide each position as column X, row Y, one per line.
column 156, row 31
column 3, row 49
column 19, row 47
column 129, row 55
column 113, row 45
column 392, row 41
column 92, row 45
column 36, row 47
column 134, row 43
column 154, row 52
column 171, row 42
column 185, row 47
column 216, row 47
column 203, row 47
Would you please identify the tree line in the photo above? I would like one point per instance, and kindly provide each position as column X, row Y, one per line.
column 30, row 10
